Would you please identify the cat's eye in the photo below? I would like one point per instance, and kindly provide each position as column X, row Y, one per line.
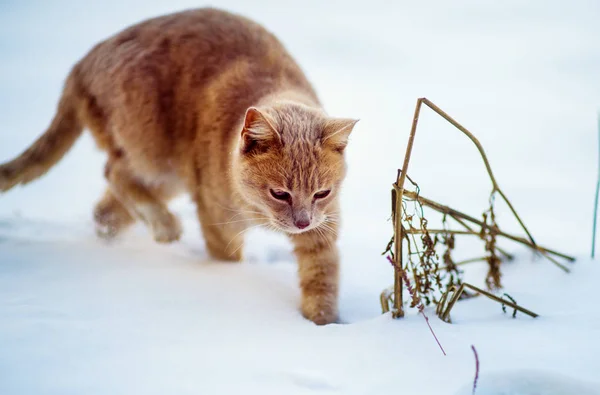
column 322, row 194
column 280, row 195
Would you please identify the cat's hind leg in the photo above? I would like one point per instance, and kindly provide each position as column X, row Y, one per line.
column 142, row 201
column 111, row 217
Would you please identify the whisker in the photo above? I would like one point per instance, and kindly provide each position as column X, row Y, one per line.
column 241, row 232
column 327, row 230
column 237, row 210
column 329, row 223
column 237, row 221
column 325, row 224
column 244, row 232
column 234, row 251
column 321, row 233
column 234, row 215
column 244, row 213
column 272, row 227
column 327, row 239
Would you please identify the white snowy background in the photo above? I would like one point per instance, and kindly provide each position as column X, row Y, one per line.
column 78, row 316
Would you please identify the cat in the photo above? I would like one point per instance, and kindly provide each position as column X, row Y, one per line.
column 208, row 103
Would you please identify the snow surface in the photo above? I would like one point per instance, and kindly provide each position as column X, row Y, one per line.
column 79, row 316
column 530, row 382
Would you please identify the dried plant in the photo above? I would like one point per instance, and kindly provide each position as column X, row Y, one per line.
column 476, row 378
column 451, row 296
column 488, row 233
column 434, row 279
column 514, row 315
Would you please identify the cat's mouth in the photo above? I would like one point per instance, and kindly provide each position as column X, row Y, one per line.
column 291, row 229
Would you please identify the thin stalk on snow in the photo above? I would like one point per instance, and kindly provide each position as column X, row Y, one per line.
column 597, row 192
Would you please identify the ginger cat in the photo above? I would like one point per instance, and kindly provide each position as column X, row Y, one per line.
column 208, row 103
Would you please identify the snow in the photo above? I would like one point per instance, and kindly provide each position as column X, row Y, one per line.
column 80, row 316
column 531, row 382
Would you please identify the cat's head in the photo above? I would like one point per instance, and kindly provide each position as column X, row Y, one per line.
column 290, row 164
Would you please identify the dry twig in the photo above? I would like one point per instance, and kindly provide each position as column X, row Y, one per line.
column 445, row 306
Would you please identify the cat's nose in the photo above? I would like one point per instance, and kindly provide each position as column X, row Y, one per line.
column 301, row 219
column 302, row 223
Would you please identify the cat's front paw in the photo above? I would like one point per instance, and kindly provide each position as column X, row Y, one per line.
column 320, row 309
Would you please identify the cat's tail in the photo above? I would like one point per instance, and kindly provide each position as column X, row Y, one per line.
column 50, row 147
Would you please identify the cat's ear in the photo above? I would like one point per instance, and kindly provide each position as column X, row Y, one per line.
column 258, row 132
column 336, row 133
